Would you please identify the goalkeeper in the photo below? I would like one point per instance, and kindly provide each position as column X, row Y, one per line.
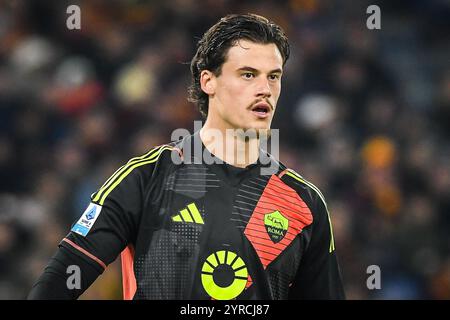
column 224, row 223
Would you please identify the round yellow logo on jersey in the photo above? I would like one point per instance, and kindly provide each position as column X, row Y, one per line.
column 224, row 275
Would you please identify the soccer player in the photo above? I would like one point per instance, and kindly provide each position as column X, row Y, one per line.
column 210, row 224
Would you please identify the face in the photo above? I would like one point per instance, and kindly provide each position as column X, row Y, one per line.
column 245, row 94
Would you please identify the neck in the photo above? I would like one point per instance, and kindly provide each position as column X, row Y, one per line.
column 230, row 145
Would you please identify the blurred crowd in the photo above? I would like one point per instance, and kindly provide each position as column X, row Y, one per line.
column 364, row 114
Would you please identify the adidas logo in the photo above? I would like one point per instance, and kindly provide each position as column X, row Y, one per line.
column 189, row 215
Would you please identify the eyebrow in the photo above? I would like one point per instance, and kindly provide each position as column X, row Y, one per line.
column 246, row 68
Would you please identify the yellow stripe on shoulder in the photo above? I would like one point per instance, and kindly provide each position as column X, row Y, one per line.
column 299, row 178
column 123, row 168
column 123, row 171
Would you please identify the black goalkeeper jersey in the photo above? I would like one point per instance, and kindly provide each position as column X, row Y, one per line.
column 190, row 230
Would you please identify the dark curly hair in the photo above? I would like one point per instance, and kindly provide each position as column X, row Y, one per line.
column 215, row 43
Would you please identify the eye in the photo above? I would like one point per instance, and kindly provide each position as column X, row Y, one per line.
column 274, row 77
column 247, row 75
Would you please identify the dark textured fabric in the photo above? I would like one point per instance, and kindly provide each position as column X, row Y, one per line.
column 212, row 231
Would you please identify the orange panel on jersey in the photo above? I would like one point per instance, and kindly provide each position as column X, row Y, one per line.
column 128, row 278
column 277, row 196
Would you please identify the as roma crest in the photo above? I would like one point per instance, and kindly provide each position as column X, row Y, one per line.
column 276, row 226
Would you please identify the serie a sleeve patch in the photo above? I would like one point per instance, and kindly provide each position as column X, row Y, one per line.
column 87, row 219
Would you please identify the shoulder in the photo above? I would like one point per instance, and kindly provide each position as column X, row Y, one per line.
column 313, row 195
column 299, row 183
column 135, row 172
column 294, row 180
column 149, row 159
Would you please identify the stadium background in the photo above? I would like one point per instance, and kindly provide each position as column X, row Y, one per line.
column 364, row 114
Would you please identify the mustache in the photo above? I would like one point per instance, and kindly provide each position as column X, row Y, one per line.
column 263, row 100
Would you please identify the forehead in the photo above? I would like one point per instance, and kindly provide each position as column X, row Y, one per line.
column 255, row 55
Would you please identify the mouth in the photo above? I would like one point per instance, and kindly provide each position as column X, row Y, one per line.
column 261, row 110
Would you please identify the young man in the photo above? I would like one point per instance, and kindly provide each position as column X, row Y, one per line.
column 218, row 229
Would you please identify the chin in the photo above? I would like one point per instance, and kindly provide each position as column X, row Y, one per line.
column 260, row 126
column 260, row 131
column 257, row 126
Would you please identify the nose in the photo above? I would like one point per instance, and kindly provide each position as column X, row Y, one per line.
column 263, row 89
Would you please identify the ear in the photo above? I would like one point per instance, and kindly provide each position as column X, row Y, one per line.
column 208, row 82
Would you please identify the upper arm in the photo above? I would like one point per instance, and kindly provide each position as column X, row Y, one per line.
column 318, row 276
column 111, row 220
